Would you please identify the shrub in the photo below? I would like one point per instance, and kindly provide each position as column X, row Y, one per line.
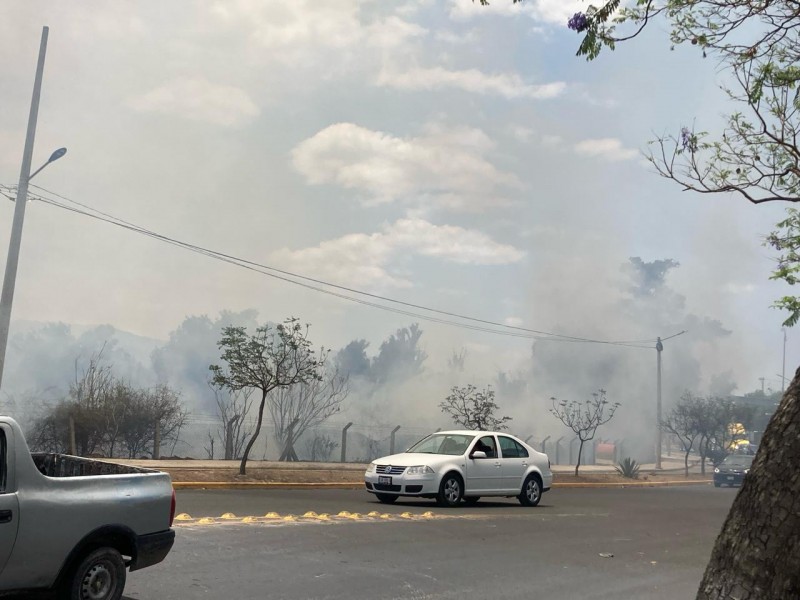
column 628, row 468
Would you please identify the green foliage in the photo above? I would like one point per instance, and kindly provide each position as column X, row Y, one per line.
column 628, row 468
column 786, row 240
column 474, row 409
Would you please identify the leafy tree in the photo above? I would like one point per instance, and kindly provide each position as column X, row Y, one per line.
column 352, row 360
column 583, row 418
column 399, row 356
column 786, row 240
column 474, row 409
column 757, row 156
column 271, row 358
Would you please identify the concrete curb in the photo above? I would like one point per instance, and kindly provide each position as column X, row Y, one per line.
column 264, row 485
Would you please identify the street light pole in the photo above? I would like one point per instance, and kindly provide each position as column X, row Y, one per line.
column 12, row 261
column 659, row 348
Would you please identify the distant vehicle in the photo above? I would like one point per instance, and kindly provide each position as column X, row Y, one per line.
column 732, row 470
column 73, row 525
column 456, row 466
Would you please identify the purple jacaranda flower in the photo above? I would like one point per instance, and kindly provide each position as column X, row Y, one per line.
column 578, row 22
column 688, row 141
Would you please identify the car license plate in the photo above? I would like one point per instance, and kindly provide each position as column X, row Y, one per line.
column 385, row 480
column 730, row 477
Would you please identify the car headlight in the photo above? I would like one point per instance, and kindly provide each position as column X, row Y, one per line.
column 419, row 470
column 371, row 468
column 746, row 471
column 716, row 470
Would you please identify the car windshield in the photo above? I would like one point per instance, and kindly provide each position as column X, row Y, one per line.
column 738, row 460
column 443, row 443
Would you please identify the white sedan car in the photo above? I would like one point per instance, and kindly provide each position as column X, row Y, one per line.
column 456, row 466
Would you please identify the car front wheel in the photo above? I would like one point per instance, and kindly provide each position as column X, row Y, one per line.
column 99, row 576
column 531, row 491
column 451, row 490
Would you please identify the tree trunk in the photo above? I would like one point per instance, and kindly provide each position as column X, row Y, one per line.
column 578, row 462
column 243, row 464
column 757, row 554
column 686, row 463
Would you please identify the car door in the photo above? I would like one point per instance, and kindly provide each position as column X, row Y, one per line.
column 515, row 460
column 9, row 506
column 484, row 475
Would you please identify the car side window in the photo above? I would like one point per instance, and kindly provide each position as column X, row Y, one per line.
column 486, row 444
column 512, row 448
column 3, row 468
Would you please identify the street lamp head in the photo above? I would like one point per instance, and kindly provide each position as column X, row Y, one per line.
column 659, row 345
column 57, row 154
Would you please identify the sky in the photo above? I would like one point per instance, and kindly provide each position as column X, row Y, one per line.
column 440, row 153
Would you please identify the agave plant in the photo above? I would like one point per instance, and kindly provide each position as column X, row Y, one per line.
column 628, row 468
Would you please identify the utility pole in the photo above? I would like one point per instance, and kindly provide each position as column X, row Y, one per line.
column 659, row 349
column 761, row 379
column 19, row 209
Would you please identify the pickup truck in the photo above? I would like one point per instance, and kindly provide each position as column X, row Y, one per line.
column 73, row 525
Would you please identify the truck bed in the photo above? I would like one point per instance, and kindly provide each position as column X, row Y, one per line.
column 63, row 465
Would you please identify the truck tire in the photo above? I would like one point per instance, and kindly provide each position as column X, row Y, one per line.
column 99, row 576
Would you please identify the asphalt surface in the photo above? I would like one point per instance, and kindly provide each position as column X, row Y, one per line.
column 660, row 539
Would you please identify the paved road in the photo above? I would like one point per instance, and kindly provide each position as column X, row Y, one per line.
column 660, row 539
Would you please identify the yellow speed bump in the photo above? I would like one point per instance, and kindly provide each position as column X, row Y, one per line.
column 407, row 515
column 272, row 515
column 250, row 520
column 289, row 518
column 184, row 517
column 374, row 514
column 428, row 515
column 311, row 515
column 206, row 521
column 344, row 513
column 386, row 516
column 229, row 517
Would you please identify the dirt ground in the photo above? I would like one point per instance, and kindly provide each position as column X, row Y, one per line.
column 287, row 475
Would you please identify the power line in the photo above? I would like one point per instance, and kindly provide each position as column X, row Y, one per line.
column 289, row 277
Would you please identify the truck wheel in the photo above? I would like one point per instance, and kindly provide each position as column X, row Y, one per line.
column 99, row 576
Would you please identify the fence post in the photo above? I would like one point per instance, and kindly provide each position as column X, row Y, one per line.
column 544, row 444
column 157, row 442
column 391, row 443
column 558, row 449
column 72, row 446
column 344, row 441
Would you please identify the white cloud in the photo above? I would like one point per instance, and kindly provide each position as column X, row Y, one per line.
column 279, row 24
column 393, row 32
column 506, row 85
column 548, row 11
column 364, row 259
column 199, row 100
column 445, row 167
column 607, row 148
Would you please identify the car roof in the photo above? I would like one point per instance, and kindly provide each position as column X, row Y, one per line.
column 472, row 432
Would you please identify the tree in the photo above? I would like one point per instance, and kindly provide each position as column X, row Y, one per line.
column 232, row 410
column 681, row 421
column 584, row 418
column 474, row 409
column 786, row 240
column 320, row 447
column 271, row 358
column 757, row 156
column 308, row 404
column 399, row 356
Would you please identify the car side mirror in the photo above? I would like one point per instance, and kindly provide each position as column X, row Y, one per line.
column 478, row 454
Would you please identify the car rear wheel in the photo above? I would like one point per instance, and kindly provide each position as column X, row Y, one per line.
column 531, row 491
column 387, row 498
column 99, row 576
column 451, row 490
column 471, row 500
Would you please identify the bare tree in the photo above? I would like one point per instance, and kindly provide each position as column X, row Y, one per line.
column 296, row 409
column 232, row 410
column 273, row 357
column 320, row 447
column 474, row 409
column 682, row 422
column 584, row 418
